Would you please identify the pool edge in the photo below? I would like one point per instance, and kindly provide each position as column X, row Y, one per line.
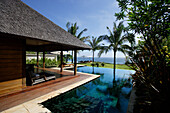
column 35, row 106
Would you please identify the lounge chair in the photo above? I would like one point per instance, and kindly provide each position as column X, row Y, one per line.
column 31, row 76
column 66, row 65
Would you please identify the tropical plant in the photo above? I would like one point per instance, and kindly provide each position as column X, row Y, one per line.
column 67, row 57
column 151, row 59
column 95, row 44
column 48, row 62
column 154, row 41
column 102, row 64
column 116, row 39
column 73, row 28
column 97, row 64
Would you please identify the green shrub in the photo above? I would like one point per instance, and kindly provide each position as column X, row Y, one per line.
column 97, row 64
column 102, row 64
column 92, row 64
column 48, row 62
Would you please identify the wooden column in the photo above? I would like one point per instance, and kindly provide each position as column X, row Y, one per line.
column 72, row 58
column 75, row 62
column 43, row 59
column 61, row 55
column 23, row 63
column 37, row 60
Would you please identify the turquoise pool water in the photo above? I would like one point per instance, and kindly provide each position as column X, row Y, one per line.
column 98, row 96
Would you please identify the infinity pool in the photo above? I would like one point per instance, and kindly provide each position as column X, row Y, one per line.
column 98, row 96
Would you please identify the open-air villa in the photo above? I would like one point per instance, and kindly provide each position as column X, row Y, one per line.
column 24, row 29
column 36, row 88
column 37, row 76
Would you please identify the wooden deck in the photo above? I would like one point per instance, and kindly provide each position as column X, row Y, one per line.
column 33, row 92
column 15, row 86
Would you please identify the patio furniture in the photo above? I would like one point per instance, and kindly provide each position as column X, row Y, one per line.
column 31, row 76
column 66, row 65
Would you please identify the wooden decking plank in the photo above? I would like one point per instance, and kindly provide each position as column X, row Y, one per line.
column 36, row 91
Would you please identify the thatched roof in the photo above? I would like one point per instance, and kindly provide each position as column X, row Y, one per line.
column 16, row 18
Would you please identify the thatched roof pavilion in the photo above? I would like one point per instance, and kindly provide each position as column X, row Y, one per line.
column 21, row 21
column 24, row 29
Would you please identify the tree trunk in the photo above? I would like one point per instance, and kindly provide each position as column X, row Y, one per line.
column 114, row 70
column 93, row 63
column 93, row 56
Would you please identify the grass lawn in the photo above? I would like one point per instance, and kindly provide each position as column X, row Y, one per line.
column 108, row 65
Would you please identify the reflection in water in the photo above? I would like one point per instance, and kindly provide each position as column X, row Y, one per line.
column 98, row 96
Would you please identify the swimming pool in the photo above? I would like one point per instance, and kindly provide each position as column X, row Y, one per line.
column 98, row 96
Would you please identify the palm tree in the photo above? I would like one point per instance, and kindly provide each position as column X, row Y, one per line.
column 94, row 44
column 72, row 28
column 116, row 40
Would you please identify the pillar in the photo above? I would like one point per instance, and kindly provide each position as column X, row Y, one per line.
column 37, row 60
column 61, row 55
column 43, row 59
column 75, row 62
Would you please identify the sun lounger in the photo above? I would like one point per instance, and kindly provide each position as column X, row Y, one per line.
column 67, row 65
column 31, row 76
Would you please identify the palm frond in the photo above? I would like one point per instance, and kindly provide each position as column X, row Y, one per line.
column 95, row 43
column 103, row 37
column 84, row 39
column 129, row 37
column 114, row 25
column 90, row 43
column 68, row 25
column 121, row 50
column 110, row 32
column 120, row 25
column 72, row 28
column 79, row 35
column 103, row 49
column 116, row 40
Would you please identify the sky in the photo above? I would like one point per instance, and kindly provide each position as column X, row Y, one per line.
column 94, row 15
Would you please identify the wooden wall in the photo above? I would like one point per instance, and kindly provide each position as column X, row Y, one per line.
column 12, row 62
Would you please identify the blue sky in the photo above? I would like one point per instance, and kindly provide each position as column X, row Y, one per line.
column 94, row 15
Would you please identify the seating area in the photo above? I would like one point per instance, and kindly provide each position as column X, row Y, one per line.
column 67, row 65
column 20, row 33
column 44, row 76
column 36, row 76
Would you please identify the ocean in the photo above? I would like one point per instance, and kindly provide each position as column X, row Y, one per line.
column 102, row 59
